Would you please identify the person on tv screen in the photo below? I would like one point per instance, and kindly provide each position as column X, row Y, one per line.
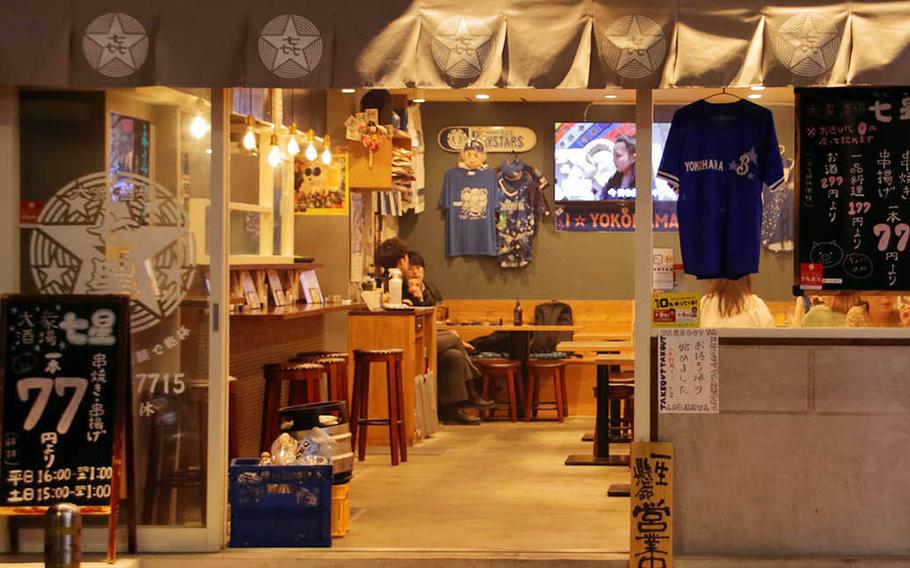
column 624, row 161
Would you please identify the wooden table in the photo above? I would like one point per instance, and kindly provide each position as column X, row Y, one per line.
column 606, row 363
column 504, row 327
column 603, row 336
column 595, row 346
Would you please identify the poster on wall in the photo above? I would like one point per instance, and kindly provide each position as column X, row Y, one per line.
column 321, row 189
column 130, row 144
column 688, row 371
column 595, row 184
column 675, row 309
column 853, row 189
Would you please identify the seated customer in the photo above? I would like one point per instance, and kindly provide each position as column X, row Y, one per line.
column 731, row 303
column 830, row 312
column 420, row 292
column 454, row 368
column 875, row 310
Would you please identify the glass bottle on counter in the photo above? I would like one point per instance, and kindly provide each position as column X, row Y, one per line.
column 516, row 313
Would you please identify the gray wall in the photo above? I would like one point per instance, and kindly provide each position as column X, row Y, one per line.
column 807, row 455
column 566, row 265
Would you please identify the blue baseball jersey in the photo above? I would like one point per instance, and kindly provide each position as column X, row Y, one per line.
column 470, row 200
column 718, row 157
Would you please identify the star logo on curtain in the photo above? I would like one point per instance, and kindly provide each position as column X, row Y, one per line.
column 110, row 246
column 807, row 44
column 115, row 44
column 462, row 46
column 635, row 46
column 290, row 46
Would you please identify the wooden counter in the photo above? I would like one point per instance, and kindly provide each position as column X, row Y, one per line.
column 266, row 336
column 295, row 311
column 411, row 330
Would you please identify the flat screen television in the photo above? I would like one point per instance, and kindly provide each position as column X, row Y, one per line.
column 595, row 161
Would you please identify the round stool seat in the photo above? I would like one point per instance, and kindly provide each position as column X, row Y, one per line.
column 293, row 366
column 546, row 363
column 497, row 363
column 378, row 351
column 310, row 355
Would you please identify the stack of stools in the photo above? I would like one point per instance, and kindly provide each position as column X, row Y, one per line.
column 493, row 369
column 539, row 369
column 303, row 386
column 360, row 401
column 336, row 368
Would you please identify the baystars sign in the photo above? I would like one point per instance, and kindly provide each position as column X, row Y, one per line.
column 104, row 234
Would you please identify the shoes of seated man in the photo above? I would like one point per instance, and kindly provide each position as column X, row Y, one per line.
column 479, row 403
column 457, row 416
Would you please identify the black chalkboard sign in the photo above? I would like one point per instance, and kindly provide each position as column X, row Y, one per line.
column 65, row 371
column 853, row 189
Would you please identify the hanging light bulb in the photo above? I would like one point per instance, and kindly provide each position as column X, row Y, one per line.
column 311, row 154
column 275, row 153
column 249, row 139
column 199, row 127
column 327, row 150
column 293, row 146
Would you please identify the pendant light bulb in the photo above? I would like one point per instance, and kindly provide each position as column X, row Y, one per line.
column 327, row 150
column 249, row 139
column 275, row 153
column 311, row 154
column 199, row 127
column 293, row 146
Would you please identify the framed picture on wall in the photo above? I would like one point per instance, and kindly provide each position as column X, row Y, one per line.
column 321, row 189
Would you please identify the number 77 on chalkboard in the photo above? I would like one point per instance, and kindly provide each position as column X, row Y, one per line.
column 44, row 387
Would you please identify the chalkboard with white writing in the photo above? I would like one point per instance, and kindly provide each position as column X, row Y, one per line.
column 853, row 189
column 65, row 370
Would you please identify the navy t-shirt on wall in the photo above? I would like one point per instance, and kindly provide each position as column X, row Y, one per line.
column 469, row 200
column 718, row 157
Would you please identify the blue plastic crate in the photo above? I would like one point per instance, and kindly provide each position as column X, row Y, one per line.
column 280, row 505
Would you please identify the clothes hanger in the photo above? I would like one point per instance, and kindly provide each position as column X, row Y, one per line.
column 723, row 92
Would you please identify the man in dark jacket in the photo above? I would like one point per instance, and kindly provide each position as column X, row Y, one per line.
column 421, row 292
column 456, row 373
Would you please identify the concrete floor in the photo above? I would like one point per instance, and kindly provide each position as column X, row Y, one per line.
column 495, row 487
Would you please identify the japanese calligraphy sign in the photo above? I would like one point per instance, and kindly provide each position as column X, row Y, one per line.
column 651, row 500
column 688, row 371
column 854, row 188
column 65, row 365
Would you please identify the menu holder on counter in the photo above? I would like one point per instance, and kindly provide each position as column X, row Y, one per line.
column 66, row 376
column 277, row 289
column 853, row 189
column 250, row 293
column 311, row 290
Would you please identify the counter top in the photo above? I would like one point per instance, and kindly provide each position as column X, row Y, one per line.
column 418, row 310
column 295, row 311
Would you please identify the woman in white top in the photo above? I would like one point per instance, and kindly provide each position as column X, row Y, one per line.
column 731, row 303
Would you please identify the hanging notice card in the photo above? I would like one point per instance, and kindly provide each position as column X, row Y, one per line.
column 853, row 189
column 651, row 501
column 688, row 371
column 65, row 373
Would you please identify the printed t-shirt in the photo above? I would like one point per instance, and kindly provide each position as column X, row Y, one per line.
column 469, row 200
column 517, row 217
column 718, row 156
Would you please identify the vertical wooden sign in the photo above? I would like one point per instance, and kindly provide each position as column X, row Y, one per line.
column 651, row 499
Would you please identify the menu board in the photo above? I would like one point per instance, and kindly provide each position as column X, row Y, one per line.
column 65, row 365
column 853, row 189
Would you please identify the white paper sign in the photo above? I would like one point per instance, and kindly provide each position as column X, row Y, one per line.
column 662, row 269
column 688, row 371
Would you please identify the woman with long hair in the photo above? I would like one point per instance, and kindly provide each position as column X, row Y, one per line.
column 875, row 310
column 731, row 303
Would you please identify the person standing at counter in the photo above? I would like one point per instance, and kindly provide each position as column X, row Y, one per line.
column 456, row 372
column 731, row 303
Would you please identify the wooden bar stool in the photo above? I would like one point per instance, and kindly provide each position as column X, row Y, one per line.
column 360, row 401
column 336, row 365
column 303, row 379
column 537, row 370
column 621, row 425
column 492, row 369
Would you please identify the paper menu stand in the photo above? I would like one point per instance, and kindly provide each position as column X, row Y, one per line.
column 311, row 290
column 250, row 295
column 278, row 295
